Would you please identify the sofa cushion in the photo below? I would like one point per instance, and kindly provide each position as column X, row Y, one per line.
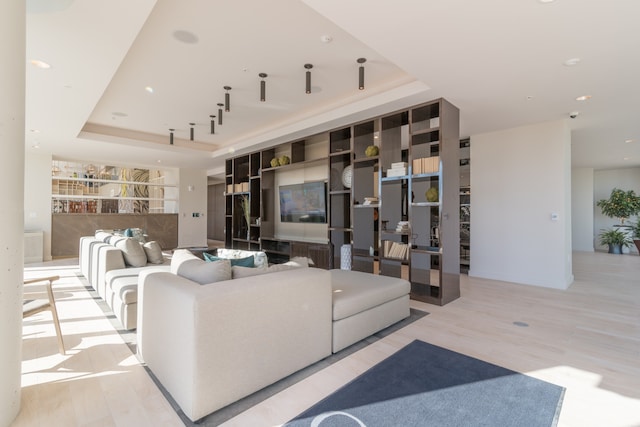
column 242, row 262
column 154, row 252
column 132, row 252
column 189, row 266
column 354, row 291
column 259, row 257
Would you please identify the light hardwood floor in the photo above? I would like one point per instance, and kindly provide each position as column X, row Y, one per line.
column 586, row 339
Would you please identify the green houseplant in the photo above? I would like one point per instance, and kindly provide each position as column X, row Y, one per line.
column 620, row 204
column 635, row 233
column 615, row 239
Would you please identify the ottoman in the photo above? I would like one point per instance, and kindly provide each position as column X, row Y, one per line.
column 364, row 304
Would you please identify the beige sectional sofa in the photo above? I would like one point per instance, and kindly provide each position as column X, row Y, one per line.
column 210, row 344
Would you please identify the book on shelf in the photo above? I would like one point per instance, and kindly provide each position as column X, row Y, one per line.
column 396, row 250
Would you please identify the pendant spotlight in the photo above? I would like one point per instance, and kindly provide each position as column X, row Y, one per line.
column 308, row 78
column 263, row 87
column 361, row 61
column 227, row 100
column 191, row 131
column 220, row 105
column 171, row 136
column 213, row 124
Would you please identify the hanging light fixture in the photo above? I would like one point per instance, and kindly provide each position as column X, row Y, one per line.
column 308, row 78
column 220, row 105
column 191, row 131
column 227, row 100
column 171, row 136
column 213, row 124
column 361, row 61
column 263, row 87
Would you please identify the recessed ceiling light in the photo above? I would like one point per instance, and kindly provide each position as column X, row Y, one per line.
column 36, row 146
column 185, row 37
column 571, row 62
column 628, row 141
column 626, row 158
column 326, row 38
column 232, row 150
column 149, row 89
column 35, row 131
column 40, row 64
column 159, row 161
column 583, row 98
column 529, row 98
column 546, row 1
column 120, row 114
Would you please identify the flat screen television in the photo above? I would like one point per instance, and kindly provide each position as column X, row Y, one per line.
column 305, row 203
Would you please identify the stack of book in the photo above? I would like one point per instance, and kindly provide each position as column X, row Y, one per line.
column 396, row 250
column 425, row 165
column 397, row 169
column 370, row 201
column 402, row 227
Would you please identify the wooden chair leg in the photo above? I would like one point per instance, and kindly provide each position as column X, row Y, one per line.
column 56, row 321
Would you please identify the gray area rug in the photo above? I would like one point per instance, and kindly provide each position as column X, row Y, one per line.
column 426, row 385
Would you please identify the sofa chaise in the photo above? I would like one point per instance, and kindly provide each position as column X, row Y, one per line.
column 211, row 344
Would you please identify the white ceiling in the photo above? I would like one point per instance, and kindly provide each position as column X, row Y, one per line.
column 487, row 58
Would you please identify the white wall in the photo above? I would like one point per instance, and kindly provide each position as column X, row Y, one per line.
column 192, row 231
column 604, row 182
column 582, row 209
column 37, row 196
column 519, row 177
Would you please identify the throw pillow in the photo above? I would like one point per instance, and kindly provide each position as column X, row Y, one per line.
column 154, row 252
column 259, row 257
column 179, row 256
column 242, row 262
column 103, row 236
column 238, row 272
column 132, row 252
column 203, row 272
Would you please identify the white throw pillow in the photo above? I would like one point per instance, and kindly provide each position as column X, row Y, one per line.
column 189, row 266
column 179, row 256
column 103, row 236
column 132, row 251
column 154, row 252
column 204, row 272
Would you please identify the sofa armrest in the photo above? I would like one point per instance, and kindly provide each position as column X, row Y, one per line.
column 106, row 258
column 211, row 345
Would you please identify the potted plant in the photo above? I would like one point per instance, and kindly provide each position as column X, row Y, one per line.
column 635, row 233
column 620, row 204
column 615, row 239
